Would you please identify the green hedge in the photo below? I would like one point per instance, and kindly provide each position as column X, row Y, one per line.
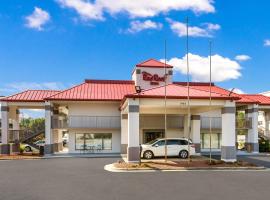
column 264, row 145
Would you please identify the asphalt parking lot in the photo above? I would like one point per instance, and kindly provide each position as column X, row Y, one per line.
column 85, row 178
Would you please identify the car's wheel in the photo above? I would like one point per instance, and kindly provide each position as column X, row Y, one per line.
column 27, row 149
column 148, row 155
column 183, row 154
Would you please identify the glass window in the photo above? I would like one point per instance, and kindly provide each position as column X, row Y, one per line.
column 79, row 141
column 102, row 141
column 215, row 140
column 173, row 142
column 183, row 142
column 161, row 143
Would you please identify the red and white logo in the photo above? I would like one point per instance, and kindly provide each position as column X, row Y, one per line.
column 153, row 78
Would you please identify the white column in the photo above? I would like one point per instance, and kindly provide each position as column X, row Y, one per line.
column 48, row 129
column 252, row 138
column 133, row 151
column 5, row 128
column 196, row 132
column 228, row 149
column 124, row 133
column 266, row 123
column 14, row 116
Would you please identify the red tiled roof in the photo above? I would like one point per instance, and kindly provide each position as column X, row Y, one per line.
column 102, row 90
column 153, row 63
column 30, row 96
column 206, row 86
column 263, row 100
column 176, row 91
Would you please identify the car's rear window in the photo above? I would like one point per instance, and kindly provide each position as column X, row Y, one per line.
column 183, row 142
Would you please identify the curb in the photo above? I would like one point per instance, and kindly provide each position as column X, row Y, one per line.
column 111, row 168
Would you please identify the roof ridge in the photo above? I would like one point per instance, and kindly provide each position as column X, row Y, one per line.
column 43, row 90
column 64, row 91
column 204, row 90
column 109, row 81
column 141, row 63
column 194, row 83
column 6, row 98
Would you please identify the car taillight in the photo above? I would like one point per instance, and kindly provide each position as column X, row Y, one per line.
column 192, row 145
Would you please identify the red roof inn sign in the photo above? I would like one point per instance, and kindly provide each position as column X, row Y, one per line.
column 153, row 78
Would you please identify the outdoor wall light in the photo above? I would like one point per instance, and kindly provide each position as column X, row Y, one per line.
column 138, row 89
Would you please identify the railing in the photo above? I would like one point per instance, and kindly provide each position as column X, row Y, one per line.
column 105, row 122
column 243, row 123
column 216, row 122
column 59, row 122
column 23, row 135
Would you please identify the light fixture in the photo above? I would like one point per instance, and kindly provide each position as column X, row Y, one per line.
column 138, row 89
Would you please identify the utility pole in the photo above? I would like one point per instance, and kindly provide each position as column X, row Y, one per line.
column 210, row 99
column 165, row 100
column 188, row 96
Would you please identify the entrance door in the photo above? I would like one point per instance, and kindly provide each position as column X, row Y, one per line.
column 150, row 135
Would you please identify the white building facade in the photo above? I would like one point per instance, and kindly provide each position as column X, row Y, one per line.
column 116, row 116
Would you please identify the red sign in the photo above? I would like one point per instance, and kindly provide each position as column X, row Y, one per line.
column 153, row 78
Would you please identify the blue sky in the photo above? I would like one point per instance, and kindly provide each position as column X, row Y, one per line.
column 54, row 44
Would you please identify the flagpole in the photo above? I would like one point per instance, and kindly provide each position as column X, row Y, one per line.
column 188, row 95
column 165, row 101
column 210, row 98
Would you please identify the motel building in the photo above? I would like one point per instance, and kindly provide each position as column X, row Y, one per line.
column 116, row 116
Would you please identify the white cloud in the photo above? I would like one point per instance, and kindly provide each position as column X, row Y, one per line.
column 267, row 42
column 137, row 26
column 94, row 10
column 37, row 19
column 180, row 29
column 85, row 9
column 242, row 57
column 222, row 68
column 237, row 90
column 211, row 26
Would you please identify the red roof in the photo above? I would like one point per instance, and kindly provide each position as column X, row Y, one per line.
column 206, row 86
column 176, row 91
column 30, row 96
column 153, row 63
column 263, row 100
column 100, row 90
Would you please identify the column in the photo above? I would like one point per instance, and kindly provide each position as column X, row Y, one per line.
column 48, row 129
column 124, row 133
column 196, row 132
column 228, row 149
column 133, row 150
column 266, row 123
column 252, row 137
column 5, row 149
column 14, row 116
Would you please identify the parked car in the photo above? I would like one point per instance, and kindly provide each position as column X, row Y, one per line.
column 28, row 148
column 40, row 143
column 175, row 147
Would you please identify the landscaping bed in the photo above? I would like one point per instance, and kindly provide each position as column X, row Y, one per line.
column 183, row 164
column 23, row 156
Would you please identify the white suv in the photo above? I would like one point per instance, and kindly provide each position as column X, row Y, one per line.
column 175, row 147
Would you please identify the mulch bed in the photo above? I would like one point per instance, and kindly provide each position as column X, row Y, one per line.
column 174, row 165
column 20, row 157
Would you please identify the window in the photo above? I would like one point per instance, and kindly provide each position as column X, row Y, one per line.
column 161, row 143
column 101, row 141
column 215, row 140
column 173, row 142
column 183, row 142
